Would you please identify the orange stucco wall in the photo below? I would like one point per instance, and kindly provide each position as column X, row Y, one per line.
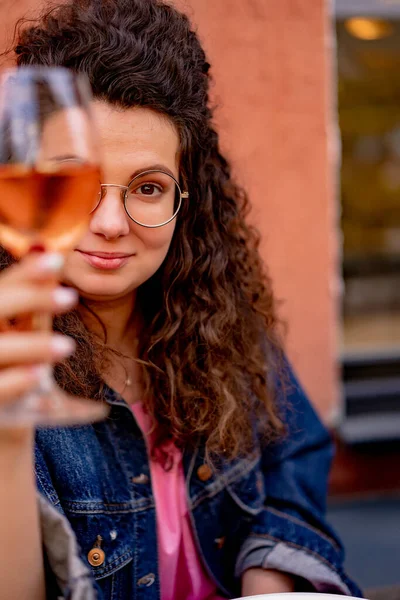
column 272, row 70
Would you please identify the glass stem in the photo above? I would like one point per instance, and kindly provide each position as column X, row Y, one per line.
column 42, row 321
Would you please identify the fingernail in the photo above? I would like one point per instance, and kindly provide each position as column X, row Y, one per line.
column 62, row 346
column 65, row 297
column 51, row 262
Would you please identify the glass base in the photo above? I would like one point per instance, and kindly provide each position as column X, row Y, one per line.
column 49, row 405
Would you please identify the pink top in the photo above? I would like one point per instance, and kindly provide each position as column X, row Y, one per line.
column 183, row 576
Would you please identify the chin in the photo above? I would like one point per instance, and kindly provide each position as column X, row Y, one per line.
column 102, row 294
column 100, row 287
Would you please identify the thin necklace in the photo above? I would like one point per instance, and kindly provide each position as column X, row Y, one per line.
column 128, row 380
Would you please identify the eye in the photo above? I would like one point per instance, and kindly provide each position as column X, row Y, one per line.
column 148, row 189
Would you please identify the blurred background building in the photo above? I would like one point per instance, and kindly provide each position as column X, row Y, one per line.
column 365, row 505
column 308, row 106
column 368, row 43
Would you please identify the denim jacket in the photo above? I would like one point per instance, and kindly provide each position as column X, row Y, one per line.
column 267, row 510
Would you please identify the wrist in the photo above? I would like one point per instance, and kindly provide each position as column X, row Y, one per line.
column 15, row 442
column 266, row 581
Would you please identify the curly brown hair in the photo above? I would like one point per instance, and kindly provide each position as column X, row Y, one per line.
column 209, row 311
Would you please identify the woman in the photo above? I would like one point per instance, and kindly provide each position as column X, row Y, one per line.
column 208, row 479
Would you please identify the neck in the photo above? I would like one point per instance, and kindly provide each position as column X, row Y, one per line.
column 117, row 316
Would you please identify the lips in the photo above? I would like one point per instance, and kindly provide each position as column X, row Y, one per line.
column 106, row 261
column 107, row 254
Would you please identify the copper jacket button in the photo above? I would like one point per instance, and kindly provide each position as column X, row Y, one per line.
column 96, row 557
column 220, row 542
column 204, row 472
column 142, row 479
column 147, row 580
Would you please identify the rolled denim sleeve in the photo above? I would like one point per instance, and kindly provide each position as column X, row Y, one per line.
column 291, row 534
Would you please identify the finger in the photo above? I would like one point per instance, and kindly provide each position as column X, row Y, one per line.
column 28, row 299
column 17, row 381
column 30, row 348
column 35, row 267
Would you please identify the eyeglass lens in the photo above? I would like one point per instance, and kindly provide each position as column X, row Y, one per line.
column 151, row 199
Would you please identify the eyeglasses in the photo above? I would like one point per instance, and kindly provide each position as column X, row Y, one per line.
column 152, row 199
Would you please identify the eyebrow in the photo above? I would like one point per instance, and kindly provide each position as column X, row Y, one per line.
column 67, row 157
column 156, row 167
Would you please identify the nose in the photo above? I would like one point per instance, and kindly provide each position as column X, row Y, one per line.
column 110, row 219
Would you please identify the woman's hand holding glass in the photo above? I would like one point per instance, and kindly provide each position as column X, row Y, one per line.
column 49, row 179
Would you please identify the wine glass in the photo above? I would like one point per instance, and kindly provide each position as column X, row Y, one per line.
column 49, row 181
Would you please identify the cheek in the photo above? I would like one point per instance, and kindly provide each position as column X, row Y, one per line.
column 153, row 239
column 152, row 246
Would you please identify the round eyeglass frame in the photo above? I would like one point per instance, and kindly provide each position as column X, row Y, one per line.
column 182, row 195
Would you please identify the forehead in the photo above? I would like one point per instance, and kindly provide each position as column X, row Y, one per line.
column 136, row 136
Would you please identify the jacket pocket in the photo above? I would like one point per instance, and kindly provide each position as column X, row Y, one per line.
column 248, row 492
column 106, row 548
